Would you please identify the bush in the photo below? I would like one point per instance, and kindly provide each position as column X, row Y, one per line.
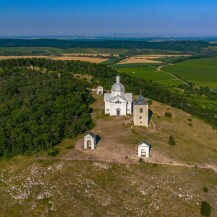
column 205, row 209
column 205, row 189
column 189, row 119
column 53, row 152
column 168, row 114
column 150, row 102
column 171, row 141
column 190, row 124
column 140, row 160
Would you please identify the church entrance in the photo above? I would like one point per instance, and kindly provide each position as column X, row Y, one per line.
column 118, row 112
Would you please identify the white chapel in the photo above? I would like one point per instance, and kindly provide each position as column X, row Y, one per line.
column 118, row 103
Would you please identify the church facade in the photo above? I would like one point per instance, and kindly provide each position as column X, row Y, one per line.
column 118, row 103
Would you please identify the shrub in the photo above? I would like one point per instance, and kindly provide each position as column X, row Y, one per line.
column 205, row 209
column 53, row 152
column 171, row 141
column 190, row 124
column 168, row 114
column 140, row 160
column 205, row 189
column 150, row 102
column 189, row 119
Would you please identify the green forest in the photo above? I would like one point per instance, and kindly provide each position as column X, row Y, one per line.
column 39, row 108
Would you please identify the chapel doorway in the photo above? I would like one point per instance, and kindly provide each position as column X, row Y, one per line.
column 118, row 112
column 88, row 144
column 143, row 152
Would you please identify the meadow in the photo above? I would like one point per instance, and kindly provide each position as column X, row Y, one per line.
column 151, row 73
column 199, row 71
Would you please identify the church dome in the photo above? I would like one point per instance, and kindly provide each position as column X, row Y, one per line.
column 118, row 87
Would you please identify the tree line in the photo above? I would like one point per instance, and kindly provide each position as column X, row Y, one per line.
column 182, row 45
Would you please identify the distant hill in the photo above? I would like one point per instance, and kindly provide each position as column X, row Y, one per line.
column 185, row 45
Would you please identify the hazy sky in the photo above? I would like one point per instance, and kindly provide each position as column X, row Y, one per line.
column 100, row 17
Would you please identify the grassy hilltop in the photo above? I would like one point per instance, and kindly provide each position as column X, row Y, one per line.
column 47, row 106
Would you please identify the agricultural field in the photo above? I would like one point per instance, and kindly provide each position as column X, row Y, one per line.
column 154, row 58
column 199, row 71
column 92, row 59
column 151, row 73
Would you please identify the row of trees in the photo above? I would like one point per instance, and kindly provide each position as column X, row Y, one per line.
column 199, row 90
column 185, row 45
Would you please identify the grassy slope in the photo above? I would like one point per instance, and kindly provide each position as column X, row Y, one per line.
column 70, row 188
column 201, row 71
column 150, row 73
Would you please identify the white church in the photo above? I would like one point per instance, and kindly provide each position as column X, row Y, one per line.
column 118, row 103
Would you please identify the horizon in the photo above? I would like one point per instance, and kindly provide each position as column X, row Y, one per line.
column 95, row 18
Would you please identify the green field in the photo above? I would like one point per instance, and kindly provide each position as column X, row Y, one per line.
column 151, row 73
column 200, row 71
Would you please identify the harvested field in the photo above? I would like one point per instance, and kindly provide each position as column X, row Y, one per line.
column 18, row 57
column 88, row 54
column 81, row 58
column 148, row 58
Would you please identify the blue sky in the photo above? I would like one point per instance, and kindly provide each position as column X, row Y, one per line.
column 94, row 17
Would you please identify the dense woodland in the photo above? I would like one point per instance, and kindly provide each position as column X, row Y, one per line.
column 191, row 46
column 38, row 110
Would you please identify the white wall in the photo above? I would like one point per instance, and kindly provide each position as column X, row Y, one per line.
column 93, row 142
column 146, row 149
column 114, row 107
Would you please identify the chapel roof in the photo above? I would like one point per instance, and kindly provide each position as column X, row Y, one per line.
column 118, row 87
column 91, row 134
column 141, row 101
column 109, row 97
column 144, row 144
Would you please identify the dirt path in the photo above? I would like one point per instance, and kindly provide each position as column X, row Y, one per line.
column 176, row 78
column 128, row 160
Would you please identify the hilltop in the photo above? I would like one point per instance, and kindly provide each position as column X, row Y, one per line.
column 106, row 183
